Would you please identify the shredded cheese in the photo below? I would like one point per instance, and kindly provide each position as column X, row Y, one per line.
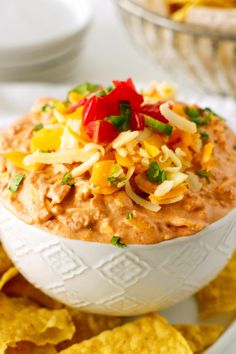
column 59, row 157
column 78, row 171
column 140, row 201
column 175, row 119
column 124, row 138
column 163, row 188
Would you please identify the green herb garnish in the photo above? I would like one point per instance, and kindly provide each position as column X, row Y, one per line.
column 205, row 174
column 154, row 174
column 115, row 180
column 47, row 106
column 125, row 111
column 212, row 113
column 116, row 241
column 195, row 116
column 15, row 183
column 158, row 126
column 204, row 136
column 66, row 180
column 86, row 88
column 38, row 127
column 118, row 121
column 101, row 93
column 130, row 215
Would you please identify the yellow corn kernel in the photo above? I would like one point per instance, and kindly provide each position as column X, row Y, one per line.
column 46, row 140
column 123, row 161
column 75, row 97
column 17, row 157
column 101, row 171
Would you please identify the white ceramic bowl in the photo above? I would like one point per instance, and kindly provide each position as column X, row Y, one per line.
column 101, row 278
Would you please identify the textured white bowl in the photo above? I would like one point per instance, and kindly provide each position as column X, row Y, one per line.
column 101, row 278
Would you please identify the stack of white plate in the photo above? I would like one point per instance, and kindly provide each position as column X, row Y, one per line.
column 41, row 39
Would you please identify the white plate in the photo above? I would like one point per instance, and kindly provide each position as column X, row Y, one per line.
column 15, row 99
column 36, row 31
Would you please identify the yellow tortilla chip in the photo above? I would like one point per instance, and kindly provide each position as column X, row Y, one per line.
column 149, row 334
column 23, row 320
column 5, row 262
column 7, row 276
column 88, row 325
column 220, row 295
column 30, row 348
column 19, row 286
column 200, row 337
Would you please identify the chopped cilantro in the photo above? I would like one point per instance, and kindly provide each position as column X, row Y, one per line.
column 125, row 112
column 212, row 113
column 204, row 136
column 66, row 180
column 115, row 180
column 205, row 174
column 15, row 183
column 130, row 215
column 101, row 93
column 86, row 88
column 162, row 176
column 195, row 116
column 153, row 172
column 38, row 127
column 45, row 107
column 116, row 241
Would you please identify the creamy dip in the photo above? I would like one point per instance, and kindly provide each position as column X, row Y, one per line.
column 73, row 210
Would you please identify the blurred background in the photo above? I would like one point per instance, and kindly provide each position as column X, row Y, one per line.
column 71, row 41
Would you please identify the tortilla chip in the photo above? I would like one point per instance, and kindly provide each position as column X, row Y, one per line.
column 149, row 334
column 88, row 325
column 30, row 348
column 220, row 295
column 200, row 337
column 7, row 276
column 5, row 262
column 23, row 320
column 19, row 286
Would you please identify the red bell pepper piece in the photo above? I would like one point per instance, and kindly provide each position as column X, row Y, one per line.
column 101, row 131
column 77, row 105
column 153, row 110
column 123, row 91
column 94, row 109
column 137, row 121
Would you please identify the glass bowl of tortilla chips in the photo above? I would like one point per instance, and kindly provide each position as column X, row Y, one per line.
column 150, row 228
column 200, row 53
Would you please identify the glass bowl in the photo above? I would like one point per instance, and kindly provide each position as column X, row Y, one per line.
column 196, row 56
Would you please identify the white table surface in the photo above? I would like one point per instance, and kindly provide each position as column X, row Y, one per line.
column 108, row 54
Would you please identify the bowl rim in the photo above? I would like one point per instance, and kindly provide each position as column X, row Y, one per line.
column 148, row 15
column 163, row 244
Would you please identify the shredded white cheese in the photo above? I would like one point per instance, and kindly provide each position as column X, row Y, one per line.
column 78, row 171
column 59, row 157
column 140, row 201
column 68, row 141
column 124, row 138
column 163, row 188
column 175, row 119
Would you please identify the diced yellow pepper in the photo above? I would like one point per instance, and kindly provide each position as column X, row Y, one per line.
column 151, row 149
column 123, row 161
column 179, row 109
column 46, row 140
column 75, row 115
column 206, row 156
column 61, row 107
column 17, row 157
column 105, row 190
column 75, row 97
column 101, row 171
column 155, row 140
